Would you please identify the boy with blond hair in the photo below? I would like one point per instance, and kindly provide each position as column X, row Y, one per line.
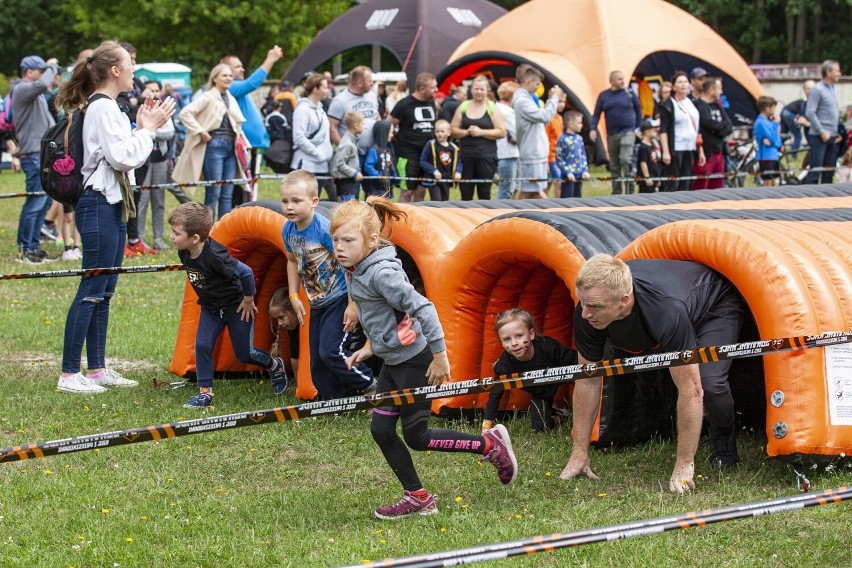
column 311, row 264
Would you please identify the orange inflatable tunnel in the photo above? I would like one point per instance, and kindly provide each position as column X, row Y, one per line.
column 796, row 278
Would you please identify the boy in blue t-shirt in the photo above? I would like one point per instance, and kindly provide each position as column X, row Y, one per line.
column 767, row 136
column 225, row 289
column 311, row 263
column 571, row 157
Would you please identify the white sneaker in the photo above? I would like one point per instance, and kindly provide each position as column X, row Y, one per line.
column 79, row 384
column 112, row 379
column 69, row 255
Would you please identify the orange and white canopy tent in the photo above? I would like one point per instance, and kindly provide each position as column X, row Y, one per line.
column 577, row 43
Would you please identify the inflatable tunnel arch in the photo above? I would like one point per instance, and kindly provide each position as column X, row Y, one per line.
column 808, row 267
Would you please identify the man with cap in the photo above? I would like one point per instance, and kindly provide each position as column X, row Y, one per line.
column 623, row 115
column 32, row 119
column 696, row 78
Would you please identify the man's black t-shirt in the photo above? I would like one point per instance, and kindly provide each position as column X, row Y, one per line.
column 547, row 352
column 416, row 126
column 671, row 298
column 797, row 107
column 216, row 276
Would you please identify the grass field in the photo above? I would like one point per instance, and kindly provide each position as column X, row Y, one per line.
column 302, row 493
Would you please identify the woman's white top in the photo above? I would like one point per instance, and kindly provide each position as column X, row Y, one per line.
column 109, row 145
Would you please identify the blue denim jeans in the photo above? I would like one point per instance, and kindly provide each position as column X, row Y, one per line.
column 507, row 168
column 823, row 155
column 103, row 236
column 35, row 207
column 220, row 162
column 788, row 124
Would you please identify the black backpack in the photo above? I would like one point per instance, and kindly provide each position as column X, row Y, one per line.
column 62, row 156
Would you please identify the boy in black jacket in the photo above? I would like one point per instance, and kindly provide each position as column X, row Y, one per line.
column 440, row 160
column 225, row 288
column 524, row 351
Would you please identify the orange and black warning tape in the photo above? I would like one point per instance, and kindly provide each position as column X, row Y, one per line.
column 565, row 374
column 91, row 272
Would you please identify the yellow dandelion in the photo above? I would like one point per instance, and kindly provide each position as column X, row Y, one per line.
column 443, row 530
column 81, row 538
column 464, row 506
column 601, row 494
column 383, row 541
column 144, row 517
column 86, row 407
column 48, row 472
column 219, row 490
column 519, row 517
column 48, row 322
column 129, row 539
column 458, row 499
column 699, row 476
column 252, row 450
column 97, row 450
column 379, row 531
column 173, row 504
column 547, row 474
column 105, row 511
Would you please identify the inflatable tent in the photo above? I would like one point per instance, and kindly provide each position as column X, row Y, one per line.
column 787, row 250
column 577, row 43
column 421, row 33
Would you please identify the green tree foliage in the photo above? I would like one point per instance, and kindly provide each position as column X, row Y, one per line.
column 193, row 32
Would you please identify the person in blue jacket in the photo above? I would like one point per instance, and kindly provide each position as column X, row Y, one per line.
column 253, row 127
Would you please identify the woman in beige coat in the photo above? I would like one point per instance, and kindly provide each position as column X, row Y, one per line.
column 213, row 121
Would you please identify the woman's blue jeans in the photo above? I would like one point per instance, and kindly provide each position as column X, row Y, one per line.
column 220, row 162
column 103, row 236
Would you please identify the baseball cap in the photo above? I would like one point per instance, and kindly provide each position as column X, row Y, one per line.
column 649, row 123
column 698, row 72
column 33, row 62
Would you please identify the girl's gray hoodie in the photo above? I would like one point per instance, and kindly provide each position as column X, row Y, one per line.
column 397, row 320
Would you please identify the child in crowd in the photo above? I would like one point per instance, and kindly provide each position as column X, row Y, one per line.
column 403, row 329
column 554, row 130
column 345, row 165
column 845, row 169
column 525, row 351
column 311, row 263
column 571, row 160
column 532, row 138
column 767, row 136
column 380, row 161
column 440, row 160
column 225, row 289
column 282, row 316
column 649, row 158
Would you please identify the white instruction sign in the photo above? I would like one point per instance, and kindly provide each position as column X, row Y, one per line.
column 838, row 375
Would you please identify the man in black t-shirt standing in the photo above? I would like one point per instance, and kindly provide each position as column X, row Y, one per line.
column 659, row 306
column 415, row 116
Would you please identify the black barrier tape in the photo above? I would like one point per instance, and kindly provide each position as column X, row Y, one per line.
column 430, row 392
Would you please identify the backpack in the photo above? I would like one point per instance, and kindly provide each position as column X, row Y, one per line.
column 6, row 124
column 62, row 156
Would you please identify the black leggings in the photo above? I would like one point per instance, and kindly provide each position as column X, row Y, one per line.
column 415, row 423
column 477, row 168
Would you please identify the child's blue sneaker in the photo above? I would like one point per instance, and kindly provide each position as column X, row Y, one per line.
column 278, row 376
column 201, row 400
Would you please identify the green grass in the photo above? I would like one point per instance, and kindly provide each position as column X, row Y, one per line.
column 302, row 493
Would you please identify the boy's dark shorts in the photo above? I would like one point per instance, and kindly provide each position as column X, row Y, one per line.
column 769, row 166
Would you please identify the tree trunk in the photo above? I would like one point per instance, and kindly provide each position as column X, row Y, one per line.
column 801, row 29
column 817, row 47
column 791, row 32
column 758, row 31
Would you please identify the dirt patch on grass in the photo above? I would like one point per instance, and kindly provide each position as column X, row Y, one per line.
column 54, row 360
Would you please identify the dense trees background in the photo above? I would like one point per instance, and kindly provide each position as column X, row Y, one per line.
column 198, row 32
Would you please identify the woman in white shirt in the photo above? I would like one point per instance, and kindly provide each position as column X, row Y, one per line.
column 311, row 141
column 679, row 135
column 213, row 120
column 111, row 152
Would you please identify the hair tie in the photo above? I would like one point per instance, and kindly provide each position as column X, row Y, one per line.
column 89, row 59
